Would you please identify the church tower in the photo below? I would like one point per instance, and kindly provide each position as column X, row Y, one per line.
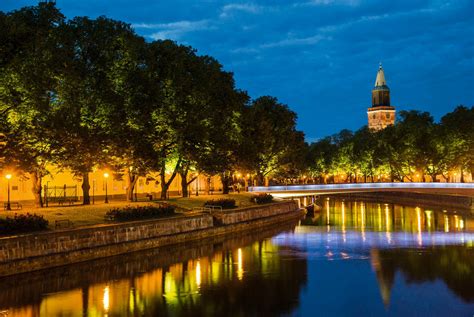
column 381, row 114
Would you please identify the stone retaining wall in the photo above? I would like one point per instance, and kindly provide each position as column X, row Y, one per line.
column 256, row 212
column 39, row 251
column 21, row 247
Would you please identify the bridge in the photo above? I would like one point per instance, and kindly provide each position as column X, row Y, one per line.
column 462, row 189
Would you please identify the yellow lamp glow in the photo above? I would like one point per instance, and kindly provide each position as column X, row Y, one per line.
column 106, row 175
column 8, row 176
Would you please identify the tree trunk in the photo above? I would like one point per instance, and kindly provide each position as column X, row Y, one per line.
column 267, row 181
column 132, row 180
column 165, row 185
column 462, row 175
column 207, row 186
column 37, row 188
column 184, row 182
column 225, row 183
column 86, row 198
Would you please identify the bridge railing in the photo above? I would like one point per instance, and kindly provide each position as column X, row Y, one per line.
column 322, row 187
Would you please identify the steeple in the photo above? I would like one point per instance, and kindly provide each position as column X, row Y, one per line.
column 381, row 114
column 380, row 79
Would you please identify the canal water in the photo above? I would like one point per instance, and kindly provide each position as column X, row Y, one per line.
column 350, row 258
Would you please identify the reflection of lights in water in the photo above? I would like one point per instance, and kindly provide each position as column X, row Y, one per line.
column 345, row 256
column 428, row 217
column 343, row 209
column 327, row 212
column 446, row 223
column 240, row 270
column 106, row 299
column 418, row 219
column 319, row 239
column 131, row 301
column 362, row 214
column 387, row 225
column 379, row 213
column 198, row 273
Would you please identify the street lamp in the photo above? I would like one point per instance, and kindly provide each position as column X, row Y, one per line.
column 106, row 175
column 8, row 177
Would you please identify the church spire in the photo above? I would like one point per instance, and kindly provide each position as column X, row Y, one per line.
column 380, row 79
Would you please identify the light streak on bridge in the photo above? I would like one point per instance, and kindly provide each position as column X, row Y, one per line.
column 466, row 189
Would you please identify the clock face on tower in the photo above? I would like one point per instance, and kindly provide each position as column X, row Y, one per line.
column 381, row 114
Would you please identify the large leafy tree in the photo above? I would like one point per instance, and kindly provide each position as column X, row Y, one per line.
column 269, row 133
column 94, row 91
column 459, row 133
column 31, row 62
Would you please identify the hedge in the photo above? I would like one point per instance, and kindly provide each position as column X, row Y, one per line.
column 140, row 212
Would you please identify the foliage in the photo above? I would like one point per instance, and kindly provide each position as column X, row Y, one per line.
column 225, row 203
column 262, row 198
column 141, row 212
column 415, row 148
column 23, row 223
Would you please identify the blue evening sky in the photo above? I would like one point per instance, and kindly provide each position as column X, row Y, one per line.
column 318, row 56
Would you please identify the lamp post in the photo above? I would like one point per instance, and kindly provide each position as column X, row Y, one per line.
column 8, row 177
column 106, row 175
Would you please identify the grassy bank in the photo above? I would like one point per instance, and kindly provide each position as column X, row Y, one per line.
column 88, row 215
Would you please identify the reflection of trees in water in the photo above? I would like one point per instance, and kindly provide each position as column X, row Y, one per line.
column 454, row 265
column 198, row 278
column 387, row 217
column 270, row 285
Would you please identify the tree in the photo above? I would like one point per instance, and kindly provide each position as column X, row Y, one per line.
column 268, row 133
column 30, row 64
column 458, row 129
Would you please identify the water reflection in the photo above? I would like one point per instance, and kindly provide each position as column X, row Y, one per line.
column 389, row 217
column 210, row 279
column 349, row 258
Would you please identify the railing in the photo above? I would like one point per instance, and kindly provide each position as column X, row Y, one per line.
column 368, row 186
column 208, row 209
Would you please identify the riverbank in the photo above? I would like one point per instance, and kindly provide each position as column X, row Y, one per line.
column 50, row 249
column 78, row 215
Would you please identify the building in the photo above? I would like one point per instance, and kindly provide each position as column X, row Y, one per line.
column 381, row 114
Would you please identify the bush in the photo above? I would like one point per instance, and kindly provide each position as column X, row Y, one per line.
column 224, row 203
column 140, row 212
column 23, row 223
column 262, row 199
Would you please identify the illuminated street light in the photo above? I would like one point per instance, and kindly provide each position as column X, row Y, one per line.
column 8, row 177
column 106, row 175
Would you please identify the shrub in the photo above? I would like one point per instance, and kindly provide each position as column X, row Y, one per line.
column 23, row 223
column 262, row 199
column 140, row 212
column 224, row 203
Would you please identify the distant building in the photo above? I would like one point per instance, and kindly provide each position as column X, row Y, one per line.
column 381, row 114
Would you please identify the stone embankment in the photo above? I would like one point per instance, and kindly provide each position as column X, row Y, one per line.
column 49, row 249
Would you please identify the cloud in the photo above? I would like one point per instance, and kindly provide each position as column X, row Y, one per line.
column 292, row 41
column 174, row 30
column 229, row 9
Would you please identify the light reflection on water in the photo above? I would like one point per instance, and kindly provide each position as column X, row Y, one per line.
column 350, row 258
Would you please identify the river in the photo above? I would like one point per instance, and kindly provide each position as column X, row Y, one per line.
column 352, row 258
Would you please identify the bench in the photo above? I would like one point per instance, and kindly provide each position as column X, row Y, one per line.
column 64, row 223
column 13, row 205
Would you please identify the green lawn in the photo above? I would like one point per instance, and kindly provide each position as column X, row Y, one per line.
column 94, row 214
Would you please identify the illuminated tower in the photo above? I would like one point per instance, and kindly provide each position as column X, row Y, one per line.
column 381, row 114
